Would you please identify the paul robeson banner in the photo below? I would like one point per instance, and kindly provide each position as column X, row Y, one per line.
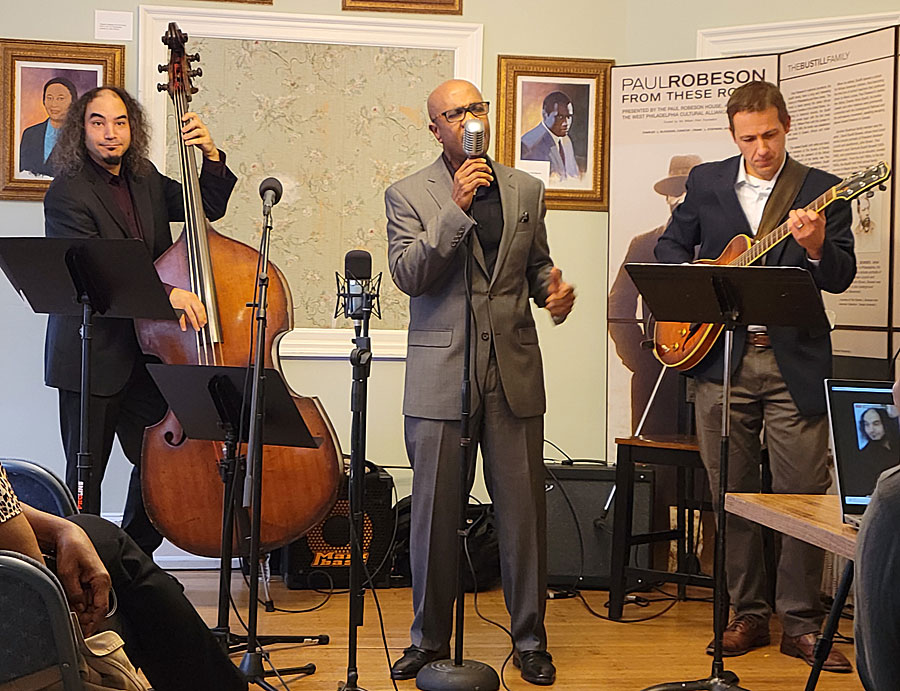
column 667, row 118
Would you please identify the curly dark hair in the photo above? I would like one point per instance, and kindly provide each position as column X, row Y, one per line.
column 70, row 153
column 891, row 428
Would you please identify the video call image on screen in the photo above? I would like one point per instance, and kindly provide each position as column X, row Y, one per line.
column 866, row 430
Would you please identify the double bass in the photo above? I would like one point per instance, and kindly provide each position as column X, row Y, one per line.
column 182, row 488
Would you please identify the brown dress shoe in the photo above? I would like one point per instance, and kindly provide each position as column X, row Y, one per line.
column 743, row 634
column 804, row 647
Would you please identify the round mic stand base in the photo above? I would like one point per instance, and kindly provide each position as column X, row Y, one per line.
column 446, row 675
column 726, row 681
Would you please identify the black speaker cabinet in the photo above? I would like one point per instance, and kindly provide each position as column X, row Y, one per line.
column 576, row 495
column 325, row 549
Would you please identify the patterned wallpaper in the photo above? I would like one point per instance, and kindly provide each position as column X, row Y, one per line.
column 337, row 125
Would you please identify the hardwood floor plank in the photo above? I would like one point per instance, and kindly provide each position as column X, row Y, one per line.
column 590, row 654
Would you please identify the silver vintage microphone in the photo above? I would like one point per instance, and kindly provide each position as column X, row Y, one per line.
column 473, row 138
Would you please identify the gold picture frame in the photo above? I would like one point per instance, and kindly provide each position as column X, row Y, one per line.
column 572, row 154
column 27, row 71
column 418, row 6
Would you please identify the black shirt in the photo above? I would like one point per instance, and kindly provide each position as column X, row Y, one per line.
column 487, row 211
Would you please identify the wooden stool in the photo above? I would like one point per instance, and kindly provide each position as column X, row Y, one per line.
column 681, row 452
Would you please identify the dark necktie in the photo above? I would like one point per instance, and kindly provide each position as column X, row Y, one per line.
column 562, row 155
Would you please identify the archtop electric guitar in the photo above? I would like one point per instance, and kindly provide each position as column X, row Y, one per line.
column 683, row 345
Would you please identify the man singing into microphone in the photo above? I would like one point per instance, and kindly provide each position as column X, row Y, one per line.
column 432, row 216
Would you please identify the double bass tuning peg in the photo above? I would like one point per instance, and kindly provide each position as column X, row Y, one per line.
column 195, row 73
column 162, row 86
column 162, row 68
column 194, row 58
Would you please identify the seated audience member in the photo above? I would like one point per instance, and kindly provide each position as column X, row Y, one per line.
column 164, row 635
column 877, row 612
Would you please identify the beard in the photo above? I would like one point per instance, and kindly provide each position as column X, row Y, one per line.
column 112, row 159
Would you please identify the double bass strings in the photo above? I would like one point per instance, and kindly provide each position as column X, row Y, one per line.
column 197, row 248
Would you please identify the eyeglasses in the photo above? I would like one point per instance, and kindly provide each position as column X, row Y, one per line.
column 479, row 109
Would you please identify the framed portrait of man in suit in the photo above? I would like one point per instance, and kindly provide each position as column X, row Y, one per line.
column 39, row 81
column 418, row 6
column 552, row 122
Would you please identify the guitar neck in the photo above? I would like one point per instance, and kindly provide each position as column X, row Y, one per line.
column 758, row 249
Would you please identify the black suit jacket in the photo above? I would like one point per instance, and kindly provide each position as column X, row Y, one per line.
column 711, row 215
column 81, row 206
column 31, row 149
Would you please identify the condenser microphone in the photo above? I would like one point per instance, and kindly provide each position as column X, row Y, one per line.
column 473, row 138
column 357, row 272
column 270, row 190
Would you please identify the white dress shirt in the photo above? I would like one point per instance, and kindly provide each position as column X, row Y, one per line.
column 753, row 194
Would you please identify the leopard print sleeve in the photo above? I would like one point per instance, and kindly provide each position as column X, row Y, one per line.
column 9, row 503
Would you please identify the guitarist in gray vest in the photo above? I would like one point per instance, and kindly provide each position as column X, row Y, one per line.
column 777, row 372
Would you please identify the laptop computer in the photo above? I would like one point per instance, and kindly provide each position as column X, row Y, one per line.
column 865, row 439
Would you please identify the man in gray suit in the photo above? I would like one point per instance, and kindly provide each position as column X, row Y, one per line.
column 431, row 218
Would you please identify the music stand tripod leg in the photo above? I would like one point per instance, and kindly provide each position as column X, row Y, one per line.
column 231, row 472
column 826, row 638
column 719, row 679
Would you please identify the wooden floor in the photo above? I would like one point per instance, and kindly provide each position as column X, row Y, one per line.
column 590, row 653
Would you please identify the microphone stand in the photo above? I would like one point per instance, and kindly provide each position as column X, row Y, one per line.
column 360, row 360
column 459, row 674
column 252, row 661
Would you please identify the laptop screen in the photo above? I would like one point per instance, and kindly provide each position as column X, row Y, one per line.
column 865, row 437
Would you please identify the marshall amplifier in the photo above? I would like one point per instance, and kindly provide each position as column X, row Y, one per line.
column 325, row 550
column 576, row 495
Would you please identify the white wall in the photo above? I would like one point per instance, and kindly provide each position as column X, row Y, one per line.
column 575, row 354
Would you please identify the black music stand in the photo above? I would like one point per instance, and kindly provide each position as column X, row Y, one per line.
column 732, row 296
column 208, row 403
column 83, row 277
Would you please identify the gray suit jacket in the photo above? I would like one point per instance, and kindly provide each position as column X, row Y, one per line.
column 426, row 256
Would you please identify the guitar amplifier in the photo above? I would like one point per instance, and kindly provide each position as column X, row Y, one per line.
column 325, row 550
column 579, row 535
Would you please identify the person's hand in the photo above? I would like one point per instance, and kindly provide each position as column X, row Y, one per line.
column 83, row 577
column 193, row 308
column 472, row 174
column 560, row 298
column 195, row 133
column 808, row 229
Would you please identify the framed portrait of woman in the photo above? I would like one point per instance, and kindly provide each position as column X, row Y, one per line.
column 39, row 80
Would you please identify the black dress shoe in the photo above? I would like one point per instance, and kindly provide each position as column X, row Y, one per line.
column 414, row 659
column 537, row 666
